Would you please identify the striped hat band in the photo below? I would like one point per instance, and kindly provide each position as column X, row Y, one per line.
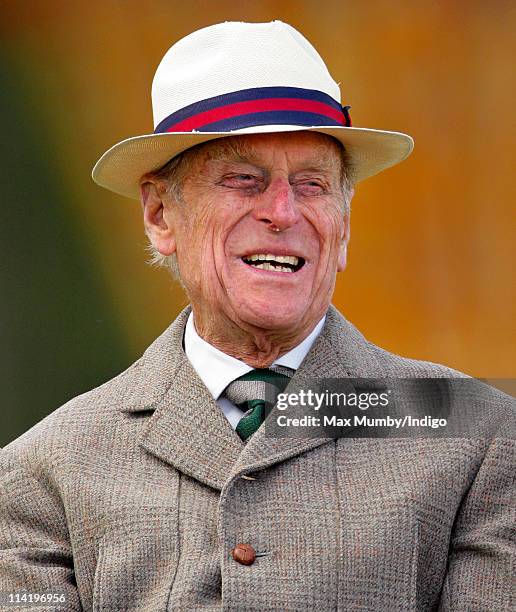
column 257, row 106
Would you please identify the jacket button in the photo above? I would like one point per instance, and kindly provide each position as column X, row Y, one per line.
column 244, row 554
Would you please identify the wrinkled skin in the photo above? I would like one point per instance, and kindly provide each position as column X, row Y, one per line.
column 232, row 206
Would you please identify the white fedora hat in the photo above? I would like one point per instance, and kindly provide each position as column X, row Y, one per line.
column 243, row 78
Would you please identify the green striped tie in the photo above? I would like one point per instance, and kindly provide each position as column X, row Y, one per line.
column 252, row 392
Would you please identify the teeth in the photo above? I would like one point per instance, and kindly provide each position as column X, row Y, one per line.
column 268, row 266
column 290, row 259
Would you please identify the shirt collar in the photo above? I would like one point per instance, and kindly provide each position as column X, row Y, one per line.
column 217, row 370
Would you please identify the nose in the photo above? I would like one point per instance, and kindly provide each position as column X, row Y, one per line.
column 276, row 207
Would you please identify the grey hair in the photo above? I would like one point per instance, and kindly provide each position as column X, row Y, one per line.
column 174, row 172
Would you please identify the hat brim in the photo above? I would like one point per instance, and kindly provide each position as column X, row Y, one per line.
column 122, row 166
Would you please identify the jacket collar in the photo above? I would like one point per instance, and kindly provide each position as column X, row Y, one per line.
column 189, row 430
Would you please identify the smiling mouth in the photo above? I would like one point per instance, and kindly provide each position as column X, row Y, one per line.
column 275, row 263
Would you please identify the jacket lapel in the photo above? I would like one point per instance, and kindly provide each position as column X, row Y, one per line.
column 187, row 428
column 190, row 431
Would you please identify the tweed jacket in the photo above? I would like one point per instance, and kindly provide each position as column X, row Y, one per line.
column 132, row 496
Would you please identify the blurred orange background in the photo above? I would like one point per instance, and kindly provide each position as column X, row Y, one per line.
column 431, row 252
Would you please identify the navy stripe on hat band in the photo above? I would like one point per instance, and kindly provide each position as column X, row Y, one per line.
column 256, row 94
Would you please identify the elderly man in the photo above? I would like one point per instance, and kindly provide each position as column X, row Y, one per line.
column 161, row 489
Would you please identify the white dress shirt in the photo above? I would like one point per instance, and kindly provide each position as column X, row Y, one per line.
column 217, row 370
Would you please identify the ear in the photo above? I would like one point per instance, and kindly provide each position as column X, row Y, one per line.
column 158, row 225
column 343, row 248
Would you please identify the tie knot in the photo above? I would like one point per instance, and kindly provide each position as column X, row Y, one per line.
column 259, row 384
column 253, row 391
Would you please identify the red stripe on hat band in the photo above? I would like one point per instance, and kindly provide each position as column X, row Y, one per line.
column 256, row 106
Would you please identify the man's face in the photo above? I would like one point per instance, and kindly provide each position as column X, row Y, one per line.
column 274, row 197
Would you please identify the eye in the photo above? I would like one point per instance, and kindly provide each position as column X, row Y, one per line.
column 310, row 187
column 240, row 181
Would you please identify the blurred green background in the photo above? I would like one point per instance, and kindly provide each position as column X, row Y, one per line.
column 431, row 253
